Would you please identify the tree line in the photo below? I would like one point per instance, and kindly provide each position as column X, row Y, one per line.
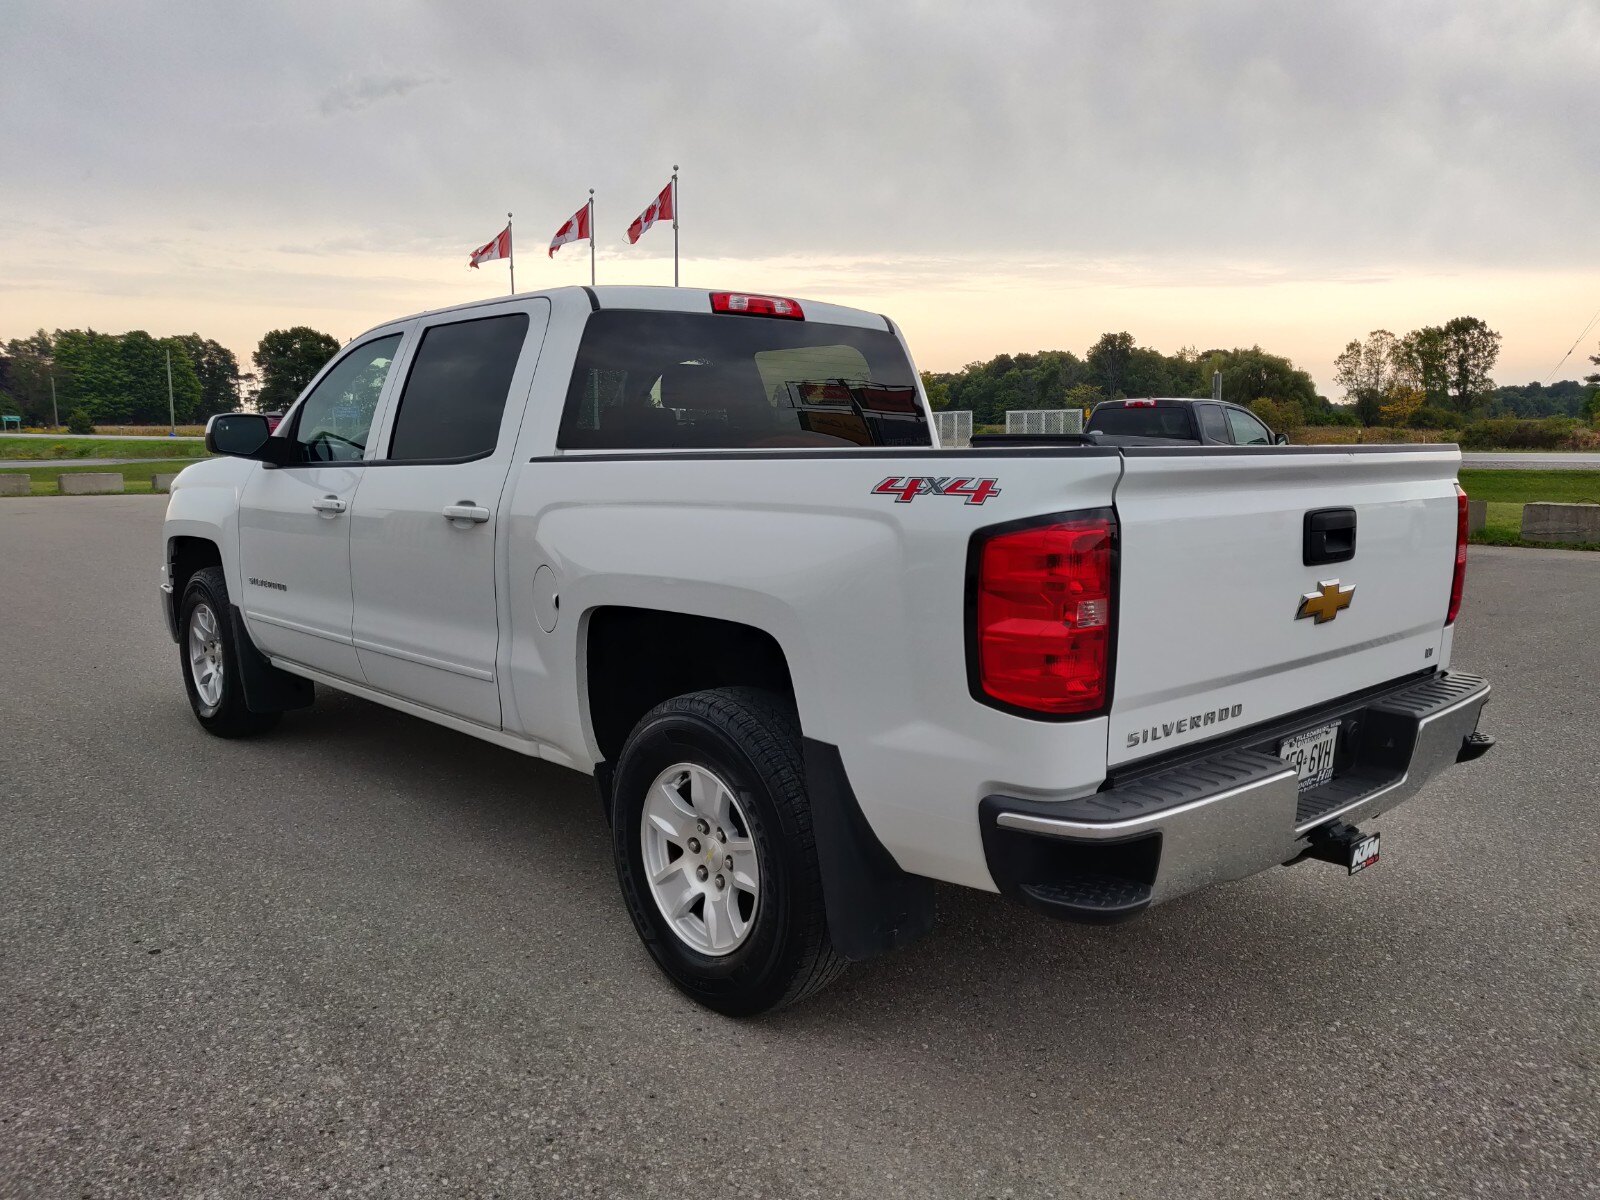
column 122, row 378
column 1446, row 368
column 1116, row 366
column 1433, row 377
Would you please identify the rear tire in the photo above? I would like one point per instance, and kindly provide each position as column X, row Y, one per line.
column 737, row 924
column 209, row 657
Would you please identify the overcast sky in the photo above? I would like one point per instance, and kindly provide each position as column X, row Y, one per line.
column 1000, row 176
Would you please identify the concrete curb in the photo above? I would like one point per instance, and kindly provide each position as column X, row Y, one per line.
column 90, row 483
column 1561, row 522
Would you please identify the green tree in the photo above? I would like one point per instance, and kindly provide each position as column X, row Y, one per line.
column 1470, row 351
column 91, row 375
column 1084, row 396
column 25, row 365
column 1108, row 360
column 145, row 362
column 937, row 388
column 122, row 380
column 1591, row 403
column 286, row 360
column 1280, row 416
column 218, row 371
column 1564, row 398
column 1252, row 374
column 1368, row 371
column 1421, row 366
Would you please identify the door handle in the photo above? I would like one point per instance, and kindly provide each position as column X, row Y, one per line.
column 466, row 511
column 329, row 506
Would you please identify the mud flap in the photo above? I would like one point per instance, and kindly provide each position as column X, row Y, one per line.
column 873, row 906
column 266, row 689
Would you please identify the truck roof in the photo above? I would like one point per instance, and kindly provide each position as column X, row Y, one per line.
column 660, row 299
column 1165, row 402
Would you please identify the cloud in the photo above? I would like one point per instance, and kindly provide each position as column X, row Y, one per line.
column 357, row 94
column 1061, row 151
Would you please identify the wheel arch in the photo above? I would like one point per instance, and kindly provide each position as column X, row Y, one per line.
column 188, row 553
column 634, row 658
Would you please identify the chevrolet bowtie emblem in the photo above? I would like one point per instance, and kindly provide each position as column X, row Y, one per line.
column 1326, row 602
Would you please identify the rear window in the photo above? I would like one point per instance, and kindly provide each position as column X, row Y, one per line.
column 655, row 380
column 1143, row 422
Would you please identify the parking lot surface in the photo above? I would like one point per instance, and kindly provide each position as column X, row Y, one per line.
column 367, row 956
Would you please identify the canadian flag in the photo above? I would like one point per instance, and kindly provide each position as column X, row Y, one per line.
column 500, row 247
column 575, row 230
column 660, row 209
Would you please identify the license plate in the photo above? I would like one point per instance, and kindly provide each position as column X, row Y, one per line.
column 1311, row 753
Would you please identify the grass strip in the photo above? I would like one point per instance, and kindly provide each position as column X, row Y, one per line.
column 135, row 476
column 15, row 449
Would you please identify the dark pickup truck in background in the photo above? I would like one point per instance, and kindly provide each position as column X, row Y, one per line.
column 1179, row 421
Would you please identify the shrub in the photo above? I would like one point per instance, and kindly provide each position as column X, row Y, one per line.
column 1429, row 417
column 79, row 421
column 1281, row 416
column 1516, row 433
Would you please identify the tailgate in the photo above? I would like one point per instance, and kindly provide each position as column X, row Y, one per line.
column 1213, row 574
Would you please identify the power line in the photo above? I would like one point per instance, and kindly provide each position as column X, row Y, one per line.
column 1574, row 346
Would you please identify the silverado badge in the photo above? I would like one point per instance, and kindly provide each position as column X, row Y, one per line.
column 1326, row 602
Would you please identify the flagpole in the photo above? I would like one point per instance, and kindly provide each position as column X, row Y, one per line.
column 512, row 256
column 591, row 237
column 674, row 224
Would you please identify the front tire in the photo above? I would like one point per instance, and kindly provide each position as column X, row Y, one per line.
column 711, row 831
column 209, row 655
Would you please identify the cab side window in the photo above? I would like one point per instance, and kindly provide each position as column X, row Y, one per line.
column 334, row 421
column 455, row 394
column 1247, row 431
column 1213, row 427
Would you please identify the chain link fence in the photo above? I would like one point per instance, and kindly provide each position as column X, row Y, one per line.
column 955, row 428
column 1044, row 420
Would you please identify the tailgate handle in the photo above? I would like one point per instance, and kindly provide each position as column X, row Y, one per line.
column 1330, row 536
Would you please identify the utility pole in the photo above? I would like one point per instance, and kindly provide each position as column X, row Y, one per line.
column 1216, row 385
column 55, row 417
column 172, row 411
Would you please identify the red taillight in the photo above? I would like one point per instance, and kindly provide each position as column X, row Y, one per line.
column 756, row 306
column 1139, row 403
column 1458, row 581
column 1043, row 615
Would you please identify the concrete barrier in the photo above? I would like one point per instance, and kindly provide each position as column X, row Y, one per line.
column 1477, row 515
column 15, row 485
column 160, row 482
column 90, row 483
column 1561, row 522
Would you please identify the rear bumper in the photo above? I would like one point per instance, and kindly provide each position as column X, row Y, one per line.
column 1229, row 814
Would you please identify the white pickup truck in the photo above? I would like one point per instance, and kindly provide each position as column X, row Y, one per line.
column 705, row 547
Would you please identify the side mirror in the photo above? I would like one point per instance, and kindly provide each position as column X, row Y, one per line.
column 242, row 435
column 1281, row 439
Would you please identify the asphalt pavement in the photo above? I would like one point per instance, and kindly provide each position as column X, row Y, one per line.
column 368, row 956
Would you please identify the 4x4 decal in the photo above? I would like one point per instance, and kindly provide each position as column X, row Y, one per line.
column 906, row 488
